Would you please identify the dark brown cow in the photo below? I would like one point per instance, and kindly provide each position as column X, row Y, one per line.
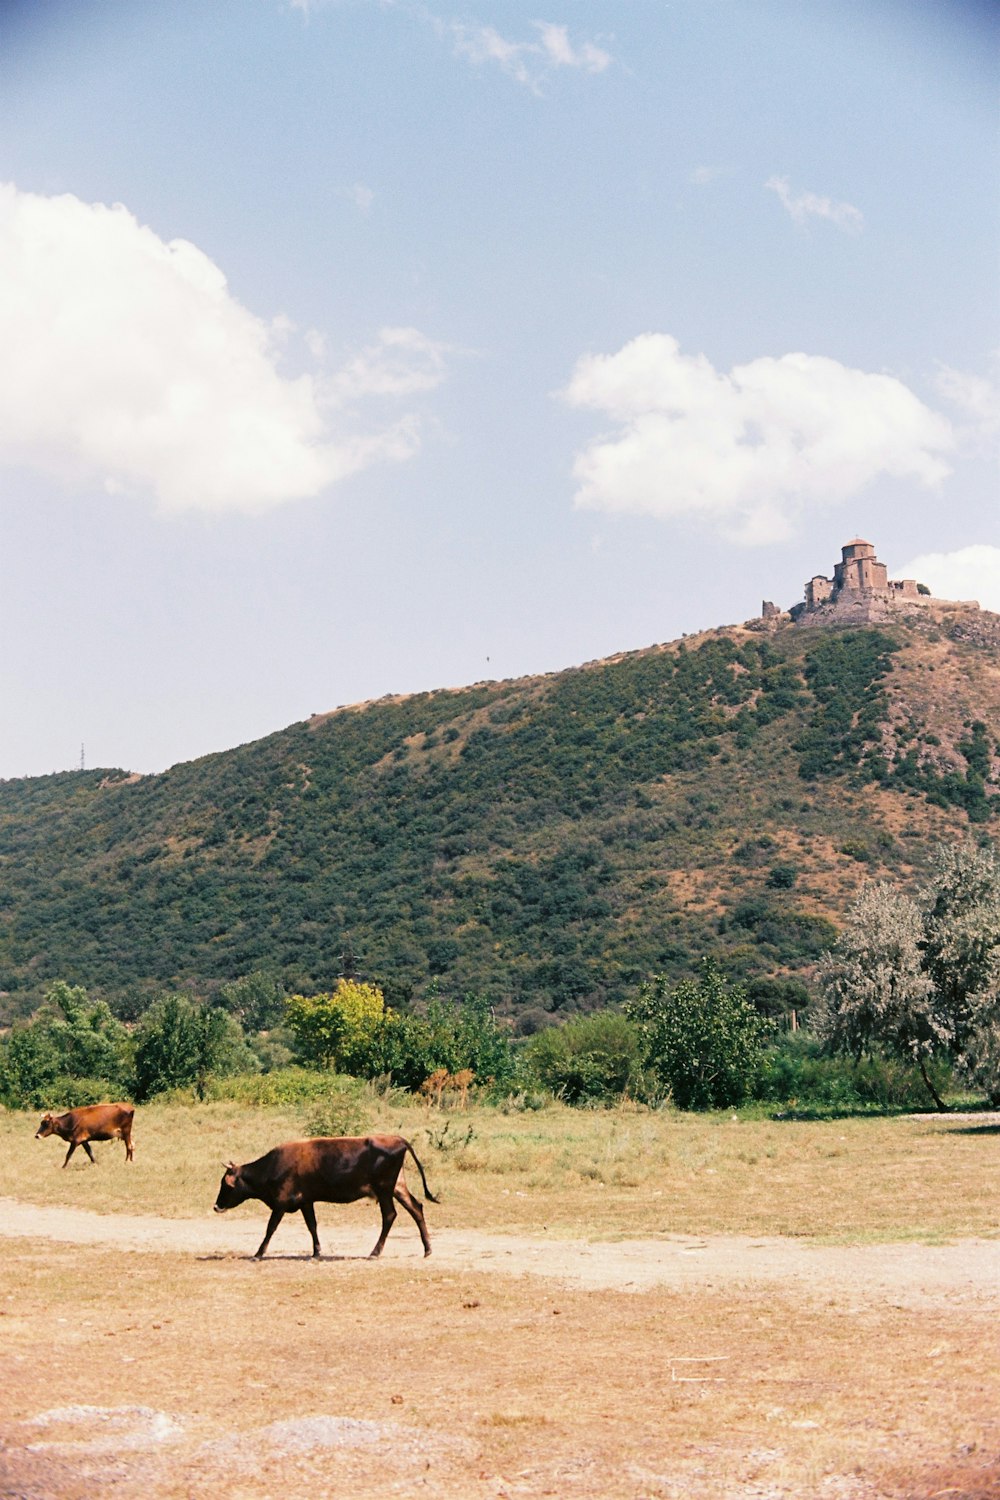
column 329, row 1169
column 93, row 1122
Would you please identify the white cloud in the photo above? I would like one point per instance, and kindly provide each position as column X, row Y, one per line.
column 560, row 50
column 975, row 396
column 401, row 362
column 479, row 44
column 746, row 452
column 528, row 62
column 127, row 360
column 363, row 196
column 701, row 176
column 970, row 573
column 844, row 215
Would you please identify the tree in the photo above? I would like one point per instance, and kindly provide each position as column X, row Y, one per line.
column 922, row 978
column 961, row 954
column 352, row 1030
column 257, row 1000
column 179, row 1042
column 345, row 1029
column 874, row 989
column 72, row 1046
column 703, row 1039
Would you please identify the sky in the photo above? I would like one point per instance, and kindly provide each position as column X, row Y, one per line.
column 356, row 347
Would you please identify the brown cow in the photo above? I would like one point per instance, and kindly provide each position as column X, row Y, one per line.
column 327, row 1169
column 92, row 1122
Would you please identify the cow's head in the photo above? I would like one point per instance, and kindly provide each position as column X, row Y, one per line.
column 47, row 1127
column 231, row 1189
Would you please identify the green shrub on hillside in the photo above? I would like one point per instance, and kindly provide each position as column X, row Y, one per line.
column 843, row 671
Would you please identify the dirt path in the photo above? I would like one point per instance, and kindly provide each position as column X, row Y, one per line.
column 910, row 1275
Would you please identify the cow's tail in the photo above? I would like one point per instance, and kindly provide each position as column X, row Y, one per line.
column 420, row 1169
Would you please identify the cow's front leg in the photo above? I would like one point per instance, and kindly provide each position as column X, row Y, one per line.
column 277, row 1215
column 86, row 1147
column 69, row 1153
column 388, row 1219
column 309, row 1214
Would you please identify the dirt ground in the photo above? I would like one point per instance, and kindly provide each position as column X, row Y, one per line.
column 151, row 1357
column 910, row 1275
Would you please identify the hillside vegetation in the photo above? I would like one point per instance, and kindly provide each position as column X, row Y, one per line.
column 547, row 842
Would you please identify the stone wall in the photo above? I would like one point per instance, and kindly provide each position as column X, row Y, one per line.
column 853, row 608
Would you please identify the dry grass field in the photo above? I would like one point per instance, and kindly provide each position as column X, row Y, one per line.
column 186, row 1371
column 599, row 1173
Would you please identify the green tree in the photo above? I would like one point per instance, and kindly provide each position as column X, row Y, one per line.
column 179, row 1042
column 451, row 1035
column 257, row 1000
column 345, row 1029
column 961, row 954
column 702, row 1038
column 72, row 1046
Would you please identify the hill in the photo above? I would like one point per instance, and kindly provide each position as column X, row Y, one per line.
column 548, row 841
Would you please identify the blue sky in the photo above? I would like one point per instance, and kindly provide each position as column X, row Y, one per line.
column 355, row 348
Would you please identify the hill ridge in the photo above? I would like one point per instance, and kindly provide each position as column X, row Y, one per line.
column 548, row 840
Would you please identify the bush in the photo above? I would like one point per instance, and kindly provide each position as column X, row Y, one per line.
column 339, row 1110
column 799, row 1073
column 179, row 1043
column 594, row 1059
column 451, row 1036
column 277, row 1090
column 703, row 1040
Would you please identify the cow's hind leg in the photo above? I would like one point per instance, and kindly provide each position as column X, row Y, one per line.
column 388, row 1219
column 415, row 1209
column 309, row 1214
column 127, row 1138
column 276, row 1217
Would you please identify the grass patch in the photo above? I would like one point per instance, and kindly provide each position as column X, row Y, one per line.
column 572, row 1173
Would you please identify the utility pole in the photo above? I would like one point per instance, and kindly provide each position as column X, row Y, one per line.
column 82, row 763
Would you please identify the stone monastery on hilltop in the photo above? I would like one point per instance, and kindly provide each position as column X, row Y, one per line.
column 859, row 593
